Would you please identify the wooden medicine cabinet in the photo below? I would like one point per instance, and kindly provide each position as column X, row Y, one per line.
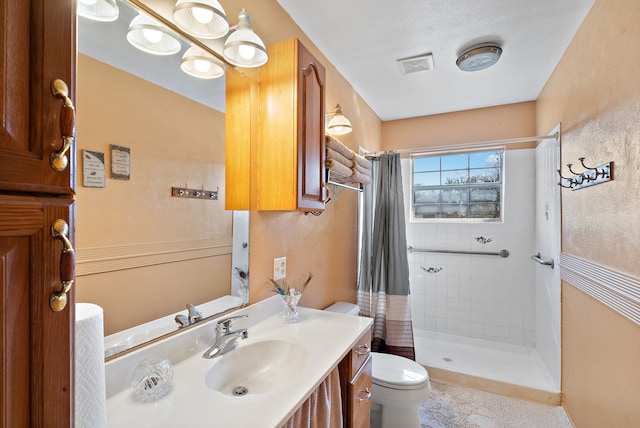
column 287, row 159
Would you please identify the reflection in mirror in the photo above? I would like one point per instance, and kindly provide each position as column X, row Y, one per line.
column 143, row 255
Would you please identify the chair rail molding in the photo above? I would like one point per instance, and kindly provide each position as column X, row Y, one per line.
column 619, row 291
column 119, row 257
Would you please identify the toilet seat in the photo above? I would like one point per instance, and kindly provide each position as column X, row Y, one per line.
column 395, row 372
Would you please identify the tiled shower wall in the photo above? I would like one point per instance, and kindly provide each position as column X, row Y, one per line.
column 485, row 297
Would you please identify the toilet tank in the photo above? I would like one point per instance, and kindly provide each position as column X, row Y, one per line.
column 344, row 308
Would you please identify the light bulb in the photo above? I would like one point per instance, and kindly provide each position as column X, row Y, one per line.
column 246, row 51
column 153, row 36
column 88, row 2
column 340, row 129
column 202, row 65
column 203, row 16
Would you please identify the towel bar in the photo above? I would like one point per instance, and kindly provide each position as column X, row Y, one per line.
column 501, row 253
column 538, row 259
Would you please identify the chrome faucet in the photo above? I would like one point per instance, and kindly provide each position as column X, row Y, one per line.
column 193, row 316
column 226, row 339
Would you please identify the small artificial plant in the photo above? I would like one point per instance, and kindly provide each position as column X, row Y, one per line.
column 284, row 289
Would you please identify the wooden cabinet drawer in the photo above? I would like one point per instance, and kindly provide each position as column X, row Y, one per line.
column 356, row 383
column 360, row 397
column 360, row 352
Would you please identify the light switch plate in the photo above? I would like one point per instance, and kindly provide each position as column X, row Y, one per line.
column 279, row 268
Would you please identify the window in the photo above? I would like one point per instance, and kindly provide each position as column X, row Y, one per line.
column 464, row 186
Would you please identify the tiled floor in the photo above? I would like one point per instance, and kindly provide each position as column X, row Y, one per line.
column 457, row 407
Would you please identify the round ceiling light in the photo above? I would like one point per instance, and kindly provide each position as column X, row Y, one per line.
column 479, row 57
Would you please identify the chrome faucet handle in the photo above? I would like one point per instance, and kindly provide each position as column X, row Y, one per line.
column 182, row 320
column 225, row 324
column 194, row 314
column 192, row 317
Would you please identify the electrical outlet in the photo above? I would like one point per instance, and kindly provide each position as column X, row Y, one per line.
column 279, row 268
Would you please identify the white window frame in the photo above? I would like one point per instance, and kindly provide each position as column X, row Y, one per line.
column 500, row 219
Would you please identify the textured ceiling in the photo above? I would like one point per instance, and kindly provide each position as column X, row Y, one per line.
column 364, row 38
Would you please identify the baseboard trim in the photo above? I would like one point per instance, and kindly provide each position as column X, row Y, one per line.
column 550, row 398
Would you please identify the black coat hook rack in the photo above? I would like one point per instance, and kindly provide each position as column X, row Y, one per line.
column 591, row 176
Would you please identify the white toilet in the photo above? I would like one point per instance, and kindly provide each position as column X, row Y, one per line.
column 400, row 385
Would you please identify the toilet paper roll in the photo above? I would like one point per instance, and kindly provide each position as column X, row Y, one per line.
column 90, row 393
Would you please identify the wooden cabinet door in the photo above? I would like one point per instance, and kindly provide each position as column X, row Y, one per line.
column 311, row 92
column 36, row 348
column 37, row 43
column 289, row 160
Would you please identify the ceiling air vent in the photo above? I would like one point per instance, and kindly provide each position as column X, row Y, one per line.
column 415, row 64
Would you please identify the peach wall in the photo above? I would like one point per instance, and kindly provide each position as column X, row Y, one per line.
column 469, row 126
column 595, row 93
column 324, row 245
column 600, row 364
column 173, row 141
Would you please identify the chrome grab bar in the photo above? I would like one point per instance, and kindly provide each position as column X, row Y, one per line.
column 538, row 259
column 501, row 253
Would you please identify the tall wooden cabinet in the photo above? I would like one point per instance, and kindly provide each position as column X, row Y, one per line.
column 290, row 146
column 37, row 40
column 287, row 152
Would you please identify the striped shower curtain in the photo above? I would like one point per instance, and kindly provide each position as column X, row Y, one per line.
column 383, row 277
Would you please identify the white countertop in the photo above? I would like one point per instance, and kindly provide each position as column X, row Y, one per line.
column 328, row 337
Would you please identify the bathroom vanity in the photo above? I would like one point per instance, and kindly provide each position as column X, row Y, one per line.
column 275, row 369
column 356, row 383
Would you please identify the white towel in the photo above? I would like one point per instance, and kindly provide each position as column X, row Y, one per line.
column 361, row 169
column 333, row 155
column 360, row 178
column 338, row 167
column 360, row 160
column 336, row 145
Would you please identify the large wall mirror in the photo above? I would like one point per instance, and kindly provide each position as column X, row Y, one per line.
column 143, row 254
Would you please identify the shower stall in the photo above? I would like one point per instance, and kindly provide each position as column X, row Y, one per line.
column 477, row 313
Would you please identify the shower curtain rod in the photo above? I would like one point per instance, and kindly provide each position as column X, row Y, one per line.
column 553, row 136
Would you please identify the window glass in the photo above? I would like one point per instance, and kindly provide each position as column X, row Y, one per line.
column 457, row 161
column 462, row 186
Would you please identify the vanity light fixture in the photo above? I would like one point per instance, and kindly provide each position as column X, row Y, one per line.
column 198, row 63
column 149, row 36
column 98, row 10
column 339, row 124
column 243, row 47
column 479, row 57
column 206, row 19
column 201, row 18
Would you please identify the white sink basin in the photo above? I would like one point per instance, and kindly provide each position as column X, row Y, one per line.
column 257, row 368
